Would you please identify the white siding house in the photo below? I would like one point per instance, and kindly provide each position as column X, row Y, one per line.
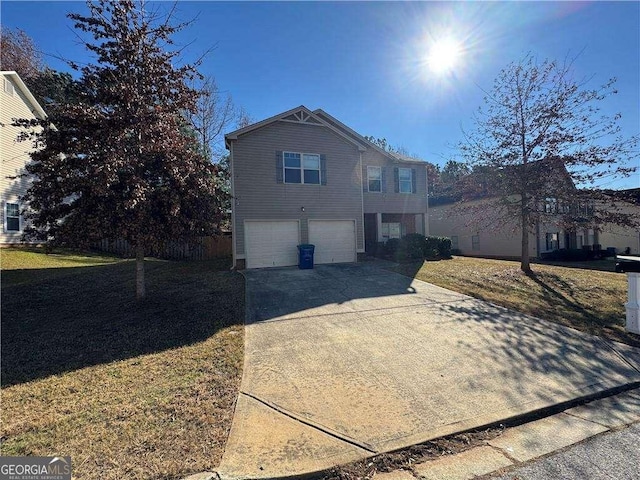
column 16, row 101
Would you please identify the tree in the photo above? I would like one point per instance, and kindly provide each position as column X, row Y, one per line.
column 122, row 161
column 19, row 53
column 214, row 114
column 541, row 133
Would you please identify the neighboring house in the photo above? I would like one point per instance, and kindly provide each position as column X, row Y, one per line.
column 476, row 228
column 16, row 102
column 304, row 177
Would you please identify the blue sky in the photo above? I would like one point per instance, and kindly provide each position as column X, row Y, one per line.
column 364, row 62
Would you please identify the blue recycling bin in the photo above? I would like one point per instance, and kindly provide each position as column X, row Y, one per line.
column 305, row 256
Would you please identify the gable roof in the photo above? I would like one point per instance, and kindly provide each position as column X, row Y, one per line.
column 37, row 109
column 299, row 114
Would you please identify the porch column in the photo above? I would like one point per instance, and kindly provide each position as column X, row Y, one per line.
column 379, row 226
column 425, row 223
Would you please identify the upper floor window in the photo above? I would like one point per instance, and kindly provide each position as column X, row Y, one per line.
column 374, row 177
column 405, row 180
column 301, row 168
column 551, row 205
column 12, row 217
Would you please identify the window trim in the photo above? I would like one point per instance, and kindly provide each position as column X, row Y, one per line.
column 410, row 181
column 301, row 168
column 374, row 167
column 6, row 217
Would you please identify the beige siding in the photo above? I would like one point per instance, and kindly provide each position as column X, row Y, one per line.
column 506, row 241
column 258, row 196
column 13, row 154
column 389, row 201
column 621, row 237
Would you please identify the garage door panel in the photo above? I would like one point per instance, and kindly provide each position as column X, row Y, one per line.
column 335, row 240
column 271, row 244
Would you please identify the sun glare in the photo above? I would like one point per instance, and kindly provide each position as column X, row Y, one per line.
column 443, row 56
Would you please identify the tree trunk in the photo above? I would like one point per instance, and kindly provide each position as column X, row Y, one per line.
column 140, row 271
column 524, row 259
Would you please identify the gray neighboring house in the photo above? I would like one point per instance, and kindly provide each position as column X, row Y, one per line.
column 302, row 176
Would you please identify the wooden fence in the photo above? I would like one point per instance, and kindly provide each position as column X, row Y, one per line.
column 205, row 248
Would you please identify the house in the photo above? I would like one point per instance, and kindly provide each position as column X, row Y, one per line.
column 302, row 176
column 479, row 229
column 16, row 101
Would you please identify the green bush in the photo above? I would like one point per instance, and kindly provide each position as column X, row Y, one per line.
column 444, row 247
column 392, row 246
column 413, row 246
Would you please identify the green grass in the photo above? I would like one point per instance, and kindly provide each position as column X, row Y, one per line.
column 588, row 300
column 128, row 389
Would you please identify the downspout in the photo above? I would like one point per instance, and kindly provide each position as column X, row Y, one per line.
column 233, row 208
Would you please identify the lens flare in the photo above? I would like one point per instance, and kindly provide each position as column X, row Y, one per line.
column 444, row 56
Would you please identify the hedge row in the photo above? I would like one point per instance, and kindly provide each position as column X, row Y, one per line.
column 415, row 246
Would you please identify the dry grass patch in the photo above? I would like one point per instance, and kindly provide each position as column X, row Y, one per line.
column 128, row 390
column 588, row 300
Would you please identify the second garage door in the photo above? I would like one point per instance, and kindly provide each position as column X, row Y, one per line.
column 335, row 240
column 271, row 244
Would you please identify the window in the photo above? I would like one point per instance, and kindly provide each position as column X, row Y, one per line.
column 454, row 242
column 391, row 230
column 475, row 242
column 374, row 177
column 405, row 181
column 550, row 205
column 552, row 241
column 12, row 217
column 301, row 168
column 8, row 86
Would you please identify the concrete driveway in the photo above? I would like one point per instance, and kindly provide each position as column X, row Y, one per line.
column 346, row 361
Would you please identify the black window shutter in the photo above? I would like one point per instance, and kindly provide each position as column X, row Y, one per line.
column 323, row 169
column 383, row 179
column 413, row 181
column 279, row 168
column 396, row 179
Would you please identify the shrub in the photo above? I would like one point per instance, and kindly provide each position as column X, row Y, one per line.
column 413, row 246
column 392, row 246
column 431, row 247
column 444, row 247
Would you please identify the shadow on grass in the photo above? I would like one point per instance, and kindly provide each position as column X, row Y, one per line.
column 62, row 319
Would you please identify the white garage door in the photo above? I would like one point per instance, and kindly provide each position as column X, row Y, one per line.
column 271, row 244
column 335, row 240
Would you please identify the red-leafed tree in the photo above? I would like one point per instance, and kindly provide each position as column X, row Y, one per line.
column 122, row 161
column 541, row 138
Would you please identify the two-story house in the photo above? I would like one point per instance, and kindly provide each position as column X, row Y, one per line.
column 16, row 101
column 302, row 176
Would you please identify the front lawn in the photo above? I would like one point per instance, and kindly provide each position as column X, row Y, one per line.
column 585, row 299
column 129, row 390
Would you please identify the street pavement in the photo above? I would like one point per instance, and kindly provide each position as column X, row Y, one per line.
column 612, row 455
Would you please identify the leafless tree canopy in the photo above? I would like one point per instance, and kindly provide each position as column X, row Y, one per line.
column 541, row 135
column 18, row 52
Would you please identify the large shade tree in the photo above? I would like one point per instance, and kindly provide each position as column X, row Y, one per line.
column 541, row 137
column 121, row 161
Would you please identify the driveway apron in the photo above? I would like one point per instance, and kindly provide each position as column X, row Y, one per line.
column 346, row 361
